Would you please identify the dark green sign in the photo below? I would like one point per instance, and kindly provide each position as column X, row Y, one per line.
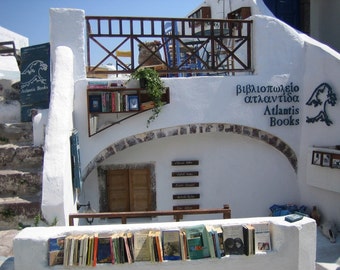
column 35, row 79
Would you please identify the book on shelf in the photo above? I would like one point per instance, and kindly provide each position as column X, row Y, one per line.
column 155, row 246
column 211, row 240
column 262, row 237
column 249, row 239
column 114, row 248
column 83, row 249
column 56, row 250
column 95, row 84
column 233, row 239
column 104, row 249
column 95, row 103
column 133, row 103
column 172, row 247
column 141, row 246
column 184, row 246
column 197, row 242
column 216, row 245
column 219, row 245
column 147, row 105
column 128, row 244
column 90, row 246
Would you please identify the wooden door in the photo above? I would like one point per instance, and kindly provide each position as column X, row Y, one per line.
column 140, row 190
column 128, row 190
column 117, row 186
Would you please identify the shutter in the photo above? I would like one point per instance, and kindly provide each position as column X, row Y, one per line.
column 117, row 182
column 140, row 190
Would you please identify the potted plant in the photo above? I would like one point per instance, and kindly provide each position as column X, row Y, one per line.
column 150, row 80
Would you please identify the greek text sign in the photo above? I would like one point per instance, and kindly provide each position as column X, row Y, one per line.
column 280, row 103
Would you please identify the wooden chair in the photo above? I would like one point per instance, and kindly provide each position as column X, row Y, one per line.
column 178, row 56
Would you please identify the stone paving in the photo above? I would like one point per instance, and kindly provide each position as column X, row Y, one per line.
column 6, row 249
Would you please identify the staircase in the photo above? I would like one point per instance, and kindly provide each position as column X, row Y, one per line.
column 20, row 176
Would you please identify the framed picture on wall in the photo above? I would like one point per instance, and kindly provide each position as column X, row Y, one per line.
column 317, row 158
column 326, row 160
column 335, row 161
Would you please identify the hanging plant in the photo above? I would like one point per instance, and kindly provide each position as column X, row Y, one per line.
column 154, row 86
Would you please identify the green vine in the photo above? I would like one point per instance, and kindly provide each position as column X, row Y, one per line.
column 154, row 87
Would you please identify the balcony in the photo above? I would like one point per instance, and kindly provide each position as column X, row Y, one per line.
column 174, row 47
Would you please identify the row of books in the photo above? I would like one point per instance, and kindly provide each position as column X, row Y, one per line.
column 190, row 243
column 113, row 102
column 104, row 84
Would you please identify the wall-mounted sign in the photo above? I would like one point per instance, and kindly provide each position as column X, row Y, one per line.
column 280, row 102
column 184, row 162
column 185, row 196
column 35, row 79
column 186, row 184
column 186, row 207
column 322, row 96
column 191, row 173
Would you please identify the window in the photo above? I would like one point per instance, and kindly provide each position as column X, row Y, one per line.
column 129, row 190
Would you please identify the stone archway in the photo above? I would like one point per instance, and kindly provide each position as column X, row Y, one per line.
column 254, row 133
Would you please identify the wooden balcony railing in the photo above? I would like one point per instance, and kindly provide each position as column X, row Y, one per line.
column 173, row 47
column 177, row 214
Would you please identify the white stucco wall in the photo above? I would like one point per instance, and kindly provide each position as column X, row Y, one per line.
column 281, row 57
column 293, row 244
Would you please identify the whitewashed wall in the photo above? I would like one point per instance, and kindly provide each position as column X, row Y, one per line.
column 281, row 56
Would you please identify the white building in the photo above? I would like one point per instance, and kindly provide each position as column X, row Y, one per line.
column 254, row 136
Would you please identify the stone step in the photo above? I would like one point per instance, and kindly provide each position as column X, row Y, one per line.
column 16, row 133
column 18, row 210
column 19, row 183
column 20, row 157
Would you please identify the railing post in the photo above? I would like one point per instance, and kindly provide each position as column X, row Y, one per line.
column 70, row 220
column 226, row 214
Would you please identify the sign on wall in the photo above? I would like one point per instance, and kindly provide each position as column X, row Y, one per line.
column 35, row 79
column 280, row 103
column 322, row 97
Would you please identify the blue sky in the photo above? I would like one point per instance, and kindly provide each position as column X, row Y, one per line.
column 30, row 18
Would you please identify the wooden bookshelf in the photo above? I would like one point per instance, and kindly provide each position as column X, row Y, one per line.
column 108, row 106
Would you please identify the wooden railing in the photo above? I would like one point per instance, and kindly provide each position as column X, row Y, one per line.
column 218, row 46
column 177, row 214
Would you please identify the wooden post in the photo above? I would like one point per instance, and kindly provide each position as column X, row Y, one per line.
column 226, row 214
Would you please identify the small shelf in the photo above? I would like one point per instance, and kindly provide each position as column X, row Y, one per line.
column 108, row 106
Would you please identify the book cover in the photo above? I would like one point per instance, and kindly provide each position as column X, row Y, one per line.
column 56, row 250
column 197, row 242
column 95, row 103
column 127, row 247
column 113, row 102
column 171, row 245
column 104, row 249
column 104, row 103
column 219, row 242
column 83, row 244
column 141, row 246
column 184, row 247
column 262, row 237
column 67, row 250
column 249, row 239
column 129, row 237
column 90, row 251
column 211, row 240
column 115, row 253
column 122, row 251
column 233, row 239
column 133, row 103
column 95, row 249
